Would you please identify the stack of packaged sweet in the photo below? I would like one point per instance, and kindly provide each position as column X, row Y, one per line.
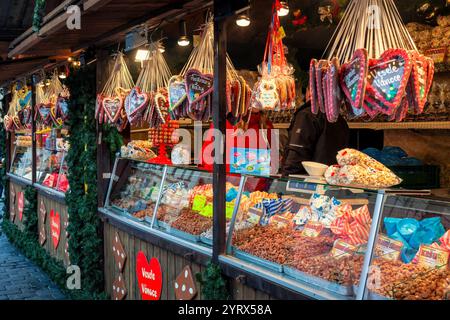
column 358, row 169
column 23, row 141
column 138, row 150
column 327, row 239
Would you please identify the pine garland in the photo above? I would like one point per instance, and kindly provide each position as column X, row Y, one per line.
column 112, row 138
column 85, row 238
column 30, row 220
column 38, row 14
column 214, row 286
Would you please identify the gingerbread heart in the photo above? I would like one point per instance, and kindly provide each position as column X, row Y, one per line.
column 62, row 108
column 16, row 122
column 135, row 103
column 112, row 106
column 353, row 77
column 198, row 85
column 177, row 92
column 388, row 77
column 44, row 112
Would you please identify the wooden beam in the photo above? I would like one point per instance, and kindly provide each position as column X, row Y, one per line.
column 219, row 110
column 94, row 5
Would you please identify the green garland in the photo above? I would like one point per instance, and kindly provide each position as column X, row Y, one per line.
column 214, row 286
column 85, row 238
column 30, row 220
column 112, row 138
column 38, row 14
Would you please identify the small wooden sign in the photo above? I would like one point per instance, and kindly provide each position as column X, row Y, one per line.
column 120, row 255
column 119, row 291
column 185, row 288
column 42, row 212
column 55, row 227
column 149, row 277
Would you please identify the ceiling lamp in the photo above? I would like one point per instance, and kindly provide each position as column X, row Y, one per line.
column 243, row 21
column 183, row 41
column 284, row 9
column 62, row 74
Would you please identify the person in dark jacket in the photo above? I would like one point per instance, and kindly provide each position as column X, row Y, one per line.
column 313, row 138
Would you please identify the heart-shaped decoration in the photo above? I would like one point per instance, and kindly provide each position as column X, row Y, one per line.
column 45, row 112
column 149, row 277
column 20, row 205
column 177, row 92
column 161, row 106
column 62, row 108
column 119, row 253
column 321, row 68
column 353, row 77
column 185, row 288
column 417, row 85
column 388, row 77
column 198, row 85
column 26, row 100
column 8, row 123
column 119, row 290
column 135, row 103
column 112, row 107
column 332, row 107
column 16, row 122
column 267, row 94
column 312, row 87
column 55, row 227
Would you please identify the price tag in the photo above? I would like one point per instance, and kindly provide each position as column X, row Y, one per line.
column 312, row 229
column 254, row 215
column 207, row 210
column 343, row 249
column 199, row 202
column 389, row 249
column 229, row 210
column 432, row 257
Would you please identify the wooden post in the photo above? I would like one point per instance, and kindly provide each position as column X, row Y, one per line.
column 33, row 130
column 219, row 120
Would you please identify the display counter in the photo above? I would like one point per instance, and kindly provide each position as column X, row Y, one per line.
column 290, row 238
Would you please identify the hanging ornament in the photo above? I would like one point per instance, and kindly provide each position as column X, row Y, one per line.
column 325, row 14
column 299, row 18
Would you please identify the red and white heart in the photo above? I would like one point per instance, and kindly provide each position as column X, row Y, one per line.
column 353, row 77
column 198, row 85
column 177, row 92
column 55, row 227
column 112, row 107
column 135, row 102
column 20, row 205
column 149, row 277
column 388, row 78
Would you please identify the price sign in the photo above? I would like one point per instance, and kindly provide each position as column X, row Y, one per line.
column 312, row 229
column 432, row 257
column 389, row 249
column 207, row 210
column 343, row 249
column 229, row 210
column 199, row 202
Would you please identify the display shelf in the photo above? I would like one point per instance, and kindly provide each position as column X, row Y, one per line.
column 425, row 125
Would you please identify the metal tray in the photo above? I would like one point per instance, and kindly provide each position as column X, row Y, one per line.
column 178, row 233
column 258, row 261
column 318, row 282
column 206, row 240
column 372, row 295
column 131, row 217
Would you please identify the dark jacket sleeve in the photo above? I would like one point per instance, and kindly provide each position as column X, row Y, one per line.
column 303, row 135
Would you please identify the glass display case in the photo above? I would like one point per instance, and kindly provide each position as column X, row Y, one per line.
column 51, row 164
column 21, row 161
column 310, row 237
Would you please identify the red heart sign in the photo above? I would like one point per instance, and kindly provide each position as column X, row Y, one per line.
column 388, row 78
column 353, row 78
column 55, row 227
column 20, row 204
column 198, row 85
column 149, row 277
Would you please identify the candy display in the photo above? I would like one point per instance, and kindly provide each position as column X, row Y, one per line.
column 23, row 141
column 358, row 169
column 138, row 150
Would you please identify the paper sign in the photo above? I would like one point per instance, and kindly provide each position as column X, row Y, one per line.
column 432, row 257
column 343, row 249
column 229, row 210
column 254, row 215
column 312, row 229
column 438, row 55
column 207, row 210
column 389, row 249
column 280, row 221
column 250, row 161
column 199, row 202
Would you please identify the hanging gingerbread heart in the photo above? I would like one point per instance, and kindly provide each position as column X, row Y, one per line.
column 332, row 108
column 198, row 85
column 177, row 92
column 135, row 104
column 8, row 123
column 321, row 69
column 62, row 108
column 44, row 112
column 16, row 122
column 267, row 95
column 353, row 77
column 388, row 77
column 112, row 107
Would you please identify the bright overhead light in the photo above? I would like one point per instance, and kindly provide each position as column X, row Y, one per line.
column 161, row 48
column 183, row 41
column 62, row 75
column 243, row 20
column 284, row 9
column 142, row 55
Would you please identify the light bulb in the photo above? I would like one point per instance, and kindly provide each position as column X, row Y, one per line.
column 142, row 55
column 183, row 41
column 62, row 75
column 284, row 9
column 243, row 21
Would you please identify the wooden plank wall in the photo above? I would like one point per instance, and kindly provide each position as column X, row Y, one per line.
column 61, row 208
column 171, row 266
column 13, row 204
